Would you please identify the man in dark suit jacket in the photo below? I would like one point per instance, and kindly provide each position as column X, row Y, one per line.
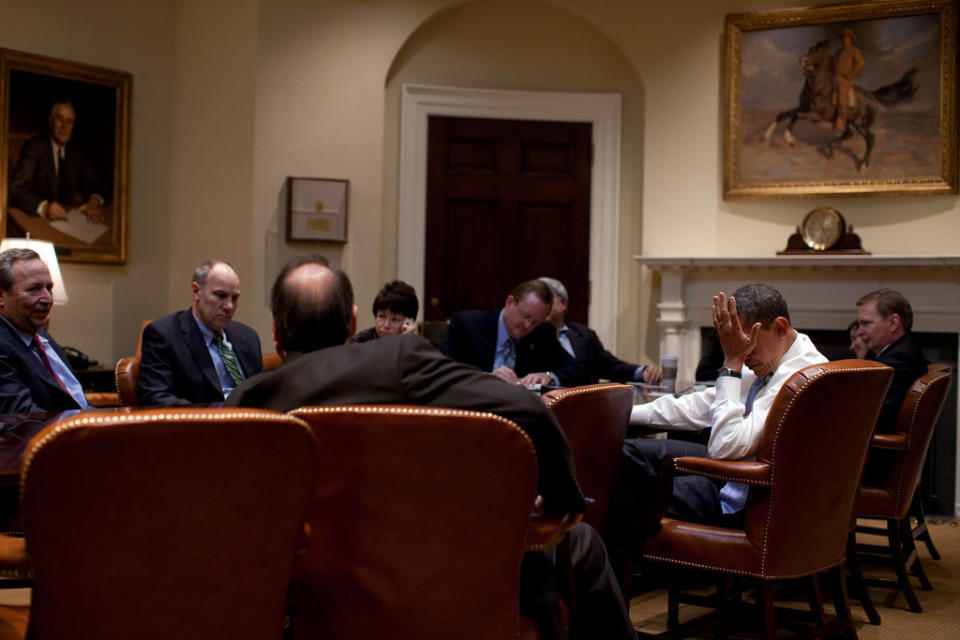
column 513, row 342
column 582, row 343
column 181, row 360
column 885, row 319
column 34, row 373
column 53, row 176
column 314, row 316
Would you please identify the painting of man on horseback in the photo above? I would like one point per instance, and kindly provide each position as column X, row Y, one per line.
column 829, row 95
column 840, row 99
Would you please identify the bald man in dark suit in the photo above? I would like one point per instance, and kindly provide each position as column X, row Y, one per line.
column 314, row 316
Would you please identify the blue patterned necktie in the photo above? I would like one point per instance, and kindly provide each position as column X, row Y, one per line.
column 510, row 354
column 229, row 358
column 733, row 495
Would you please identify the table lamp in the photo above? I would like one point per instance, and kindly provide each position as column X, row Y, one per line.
column 49, row 256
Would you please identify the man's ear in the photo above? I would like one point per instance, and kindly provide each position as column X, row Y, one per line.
column 353, row 325
column 782, row 325
column 895, row 321
column 194, row 290
column 276, row 339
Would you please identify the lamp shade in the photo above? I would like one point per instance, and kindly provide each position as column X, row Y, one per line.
column 49, row 256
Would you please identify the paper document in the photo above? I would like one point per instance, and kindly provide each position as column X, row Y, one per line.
column 77, row 226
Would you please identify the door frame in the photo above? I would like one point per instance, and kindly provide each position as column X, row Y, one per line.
column 419, row 102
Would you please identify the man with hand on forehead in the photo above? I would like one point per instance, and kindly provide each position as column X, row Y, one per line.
column 761, row 351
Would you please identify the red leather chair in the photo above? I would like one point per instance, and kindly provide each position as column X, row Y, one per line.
column 419, row 521
column 594, row 418
column 901, row 455
column 165, row 524
column 804, row 484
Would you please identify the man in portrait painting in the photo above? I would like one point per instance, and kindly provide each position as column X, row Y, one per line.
column 849, row 65
column 52, row 175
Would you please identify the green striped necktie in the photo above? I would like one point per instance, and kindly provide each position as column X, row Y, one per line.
column 229, row 358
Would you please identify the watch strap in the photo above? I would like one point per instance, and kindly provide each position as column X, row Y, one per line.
column 727, row 371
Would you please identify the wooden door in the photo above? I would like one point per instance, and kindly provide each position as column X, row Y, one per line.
column 507, row 200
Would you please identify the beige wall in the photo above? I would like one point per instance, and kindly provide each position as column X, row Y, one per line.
column 214, row 91
column 230, row 98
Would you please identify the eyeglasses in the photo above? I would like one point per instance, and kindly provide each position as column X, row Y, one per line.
column 390, row 319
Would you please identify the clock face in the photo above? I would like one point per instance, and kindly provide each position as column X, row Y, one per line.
column 822, row 228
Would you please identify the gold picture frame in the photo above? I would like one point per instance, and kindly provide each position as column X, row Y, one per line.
column 900, row 98
column 93, row 190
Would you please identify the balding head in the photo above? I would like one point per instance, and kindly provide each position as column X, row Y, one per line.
column 312, row 305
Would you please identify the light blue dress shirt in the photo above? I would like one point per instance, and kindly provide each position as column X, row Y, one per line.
column 503, row 340
column 226, row 381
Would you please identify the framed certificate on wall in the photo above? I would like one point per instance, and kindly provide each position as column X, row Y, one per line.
column 316, row 210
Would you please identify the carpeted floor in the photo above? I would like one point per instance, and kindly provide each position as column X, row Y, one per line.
column 941, row 606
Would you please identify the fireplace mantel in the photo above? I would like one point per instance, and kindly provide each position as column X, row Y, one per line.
column 805, row 262
column 820, row 291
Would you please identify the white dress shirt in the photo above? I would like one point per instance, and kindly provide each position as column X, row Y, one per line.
column 733, row 436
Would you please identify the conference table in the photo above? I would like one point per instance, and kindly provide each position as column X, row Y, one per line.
column 15, row 432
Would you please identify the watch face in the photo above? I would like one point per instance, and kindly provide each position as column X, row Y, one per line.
column 822, row 228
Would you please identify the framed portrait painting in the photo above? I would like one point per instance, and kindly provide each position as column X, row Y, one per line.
column 850, row 99
column 65, row 161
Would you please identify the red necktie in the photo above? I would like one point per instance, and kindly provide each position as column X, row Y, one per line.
column 38, row 345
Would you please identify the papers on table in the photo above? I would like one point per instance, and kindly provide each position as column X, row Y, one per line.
column 77, row 226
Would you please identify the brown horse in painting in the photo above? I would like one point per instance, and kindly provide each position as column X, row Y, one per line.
column 818, row 102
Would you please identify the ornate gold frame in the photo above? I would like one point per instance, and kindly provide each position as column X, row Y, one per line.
column 112, row 248
column 735, row 186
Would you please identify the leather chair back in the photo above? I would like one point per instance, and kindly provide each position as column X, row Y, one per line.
column 126, row 374
column 271, row 361
column 918, row 416
column 418, row 524
column 815, row 438
column 165, row 524
column 594, row 418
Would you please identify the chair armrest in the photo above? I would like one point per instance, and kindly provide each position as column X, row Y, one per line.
column 545, row 532
column 889, row 441
column 102, row 398
column 13, row 556
column 748, row 472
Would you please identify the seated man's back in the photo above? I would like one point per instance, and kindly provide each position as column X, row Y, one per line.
column 314, row 316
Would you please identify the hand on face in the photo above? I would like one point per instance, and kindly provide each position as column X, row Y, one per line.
column 736, row 342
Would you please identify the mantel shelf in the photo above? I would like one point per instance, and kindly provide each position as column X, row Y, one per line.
column 793, row 261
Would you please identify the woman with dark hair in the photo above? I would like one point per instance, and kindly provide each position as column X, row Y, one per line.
column 394, row 311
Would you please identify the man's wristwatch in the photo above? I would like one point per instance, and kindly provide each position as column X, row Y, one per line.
column 727, row 371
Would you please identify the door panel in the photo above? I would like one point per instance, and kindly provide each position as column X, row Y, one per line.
column 506, row 201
